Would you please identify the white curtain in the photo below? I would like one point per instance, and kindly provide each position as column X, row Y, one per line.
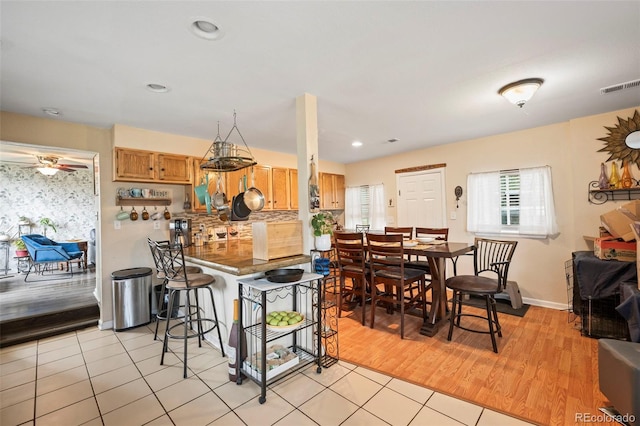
column 352, row 210
column 376, row 207
column 537, row 210
column 483, row 203
column 537, row 216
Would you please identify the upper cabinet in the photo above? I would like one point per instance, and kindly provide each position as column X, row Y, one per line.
column 134, row 165
column 293, row 189
column 280, row 187
column 332, row 189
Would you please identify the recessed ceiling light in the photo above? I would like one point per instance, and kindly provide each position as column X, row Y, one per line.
column 204, row 28
column 356, row 143
column 393, row 140
column 52, row 112
column 157, row 88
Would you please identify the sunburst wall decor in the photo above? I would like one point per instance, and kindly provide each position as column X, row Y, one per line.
column 615, row 141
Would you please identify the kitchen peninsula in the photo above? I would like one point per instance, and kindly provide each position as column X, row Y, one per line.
column 230, row 261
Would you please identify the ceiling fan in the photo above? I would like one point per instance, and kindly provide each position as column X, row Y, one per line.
column 48, row 165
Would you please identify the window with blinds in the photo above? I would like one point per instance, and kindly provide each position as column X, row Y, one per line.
column 364, row 204
column 510, row 198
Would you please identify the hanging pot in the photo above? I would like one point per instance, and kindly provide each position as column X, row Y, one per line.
column 219, row 199
column 253, row 197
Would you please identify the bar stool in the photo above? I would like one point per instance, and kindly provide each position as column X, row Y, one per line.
column 178, row 281
column 162, row 307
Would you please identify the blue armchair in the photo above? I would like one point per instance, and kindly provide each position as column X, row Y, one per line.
column 44, row 251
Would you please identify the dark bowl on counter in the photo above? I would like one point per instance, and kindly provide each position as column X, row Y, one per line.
column 284, row 275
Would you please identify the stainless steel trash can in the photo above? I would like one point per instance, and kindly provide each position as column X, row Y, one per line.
column 131, row 298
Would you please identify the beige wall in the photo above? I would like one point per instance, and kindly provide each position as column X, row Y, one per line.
column 570, row 148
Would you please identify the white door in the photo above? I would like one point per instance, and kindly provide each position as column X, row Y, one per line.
column 421, row 199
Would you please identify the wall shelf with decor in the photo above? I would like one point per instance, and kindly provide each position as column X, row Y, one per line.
column 120, row 201
column 601, row 196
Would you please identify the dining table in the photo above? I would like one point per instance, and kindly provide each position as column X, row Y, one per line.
column 437, row 252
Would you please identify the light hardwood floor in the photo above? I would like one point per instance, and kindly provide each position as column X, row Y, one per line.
column 545, row 371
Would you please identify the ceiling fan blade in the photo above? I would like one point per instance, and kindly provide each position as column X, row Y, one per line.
column 64, row 169
column 75, row 166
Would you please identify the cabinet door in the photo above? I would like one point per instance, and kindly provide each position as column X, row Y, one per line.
column 280, row 188
column 338, row 192
column 174, row 168
column 326, row 191
column 262, row 176
column 134, row 165
column 293, row 189
column 232, row 182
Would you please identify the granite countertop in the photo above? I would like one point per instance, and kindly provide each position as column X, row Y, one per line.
column 236, row 257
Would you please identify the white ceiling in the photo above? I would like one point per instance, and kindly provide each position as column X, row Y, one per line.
column 426, row 73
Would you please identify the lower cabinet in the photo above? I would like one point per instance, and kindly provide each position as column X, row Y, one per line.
column 276, row 350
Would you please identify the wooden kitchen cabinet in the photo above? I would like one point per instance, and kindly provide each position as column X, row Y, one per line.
column 280, row 187
column 293, row 189
column 262, row 176
column 332, row 193
column 132, row 165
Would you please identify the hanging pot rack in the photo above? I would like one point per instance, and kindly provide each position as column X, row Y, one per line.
column 223, row 156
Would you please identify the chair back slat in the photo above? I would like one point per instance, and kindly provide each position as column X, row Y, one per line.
column 494, row 256
column 437, row 233
column 155, row 254
column 406, row 232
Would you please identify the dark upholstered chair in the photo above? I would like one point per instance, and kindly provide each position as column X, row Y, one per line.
column 619, row 377
column 387, row 268
column 351, row 256
column 490, row 256
column 43, row 252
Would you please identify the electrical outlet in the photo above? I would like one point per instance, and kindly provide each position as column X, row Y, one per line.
column 453, row 216
column 156, row 224
column 116, row 224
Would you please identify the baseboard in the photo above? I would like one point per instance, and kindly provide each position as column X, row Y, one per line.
column 545, row 304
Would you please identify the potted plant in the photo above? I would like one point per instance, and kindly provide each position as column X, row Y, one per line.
column 47, row 223
column 21, row 248
column 322, row 224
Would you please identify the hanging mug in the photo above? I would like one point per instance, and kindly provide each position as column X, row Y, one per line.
column 145, row 214
column 167, row 215
column 122, row 215
column 156, row 214
column 134, row 214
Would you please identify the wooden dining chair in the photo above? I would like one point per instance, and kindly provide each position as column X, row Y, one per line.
column 489, row 256
column 387, row 268
column 351, row 255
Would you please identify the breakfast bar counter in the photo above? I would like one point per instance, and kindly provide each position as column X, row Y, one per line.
column 231, row 261
column 235, row 257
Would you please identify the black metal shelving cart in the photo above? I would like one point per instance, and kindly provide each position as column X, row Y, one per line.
column 324, row 262
column 274, row 352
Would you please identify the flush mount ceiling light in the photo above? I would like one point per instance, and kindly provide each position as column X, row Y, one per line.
column 519, row 92
column 356, row 144
column 204, row 28
column 157, row 88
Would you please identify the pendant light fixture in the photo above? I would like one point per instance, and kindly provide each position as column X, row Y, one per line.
column 224, row 156
column 519, row 92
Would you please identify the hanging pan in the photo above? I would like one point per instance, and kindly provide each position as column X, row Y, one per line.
column 219, row 199
column 253, row 197
column 239, row 210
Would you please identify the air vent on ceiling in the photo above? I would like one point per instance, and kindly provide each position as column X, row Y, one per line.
column 621, row 86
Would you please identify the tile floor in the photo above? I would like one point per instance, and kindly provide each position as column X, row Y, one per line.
column 94, row 377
